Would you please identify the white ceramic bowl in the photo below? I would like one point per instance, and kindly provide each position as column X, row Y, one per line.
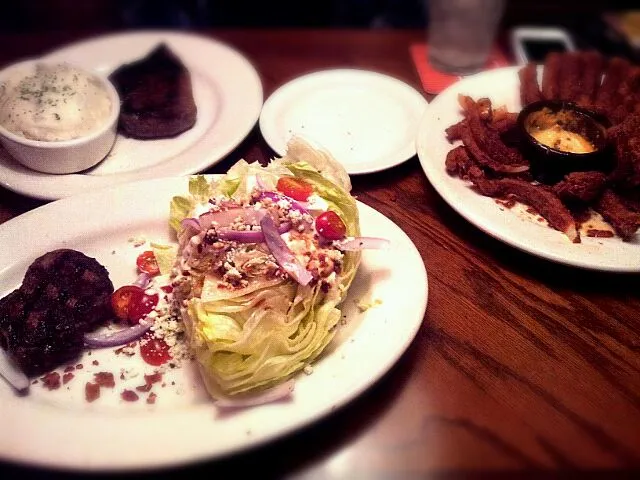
column 64, row 156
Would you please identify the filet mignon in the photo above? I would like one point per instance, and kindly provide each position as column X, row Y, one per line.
column 156, row 96
column 64, row 294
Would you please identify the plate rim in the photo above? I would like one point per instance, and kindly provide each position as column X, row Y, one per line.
column 364, row 384
column 430, row 164
column 23, row 181
column 279, row 95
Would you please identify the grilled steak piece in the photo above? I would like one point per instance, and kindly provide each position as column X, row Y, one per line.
column 156, row 96
column 64, row 294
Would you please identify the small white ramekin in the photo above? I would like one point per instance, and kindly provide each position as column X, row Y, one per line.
column 66, row 156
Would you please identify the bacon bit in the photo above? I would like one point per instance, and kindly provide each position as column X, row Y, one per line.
column 122, row 377
column 91, row 391
column 95, row 362
column 105, row 379
column 153, row 378
column 151, row 399
column 66, row 378
column 51, row 380
column 593, row 232
column 70, row 368
column 129, row 396
column 79, row 366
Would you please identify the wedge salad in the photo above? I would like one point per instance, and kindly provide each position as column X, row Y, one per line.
column 252, row 291
column 266, row 255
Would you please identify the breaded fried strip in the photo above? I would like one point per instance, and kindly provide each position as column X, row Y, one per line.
column 458, row 161
column 545, row 202
column 614, row 211
column 580, row 186
column 591, row 77
column 630, row 126
column 607, row 96
column 550, row 76
column 475, row 134
column 626, row 174
column 454, row 132
column 529, row 89
column 482, row 106
column 571, row 76
column 485, row 160
column 503, row 122
column 489, row 141
column 631, row 198
column 628, row 95
column 626, row 139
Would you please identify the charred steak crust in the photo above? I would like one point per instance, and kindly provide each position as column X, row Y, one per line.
column 64, row 294
column 156, row 96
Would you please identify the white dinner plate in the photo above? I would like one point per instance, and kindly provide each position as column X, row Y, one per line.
column 513, row 227
column 367, row 120
column 60, row 429
column 227, row 91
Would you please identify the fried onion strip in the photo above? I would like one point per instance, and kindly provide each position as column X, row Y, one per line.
column 607, row 97
column 550, row 76
column 613, row 209
column 529, row 89
column 545, row 202
column 591, row 77
column 571, row 76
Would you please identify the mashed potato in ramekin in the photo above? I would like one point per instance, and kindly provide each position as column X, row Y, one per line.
column 53, row 103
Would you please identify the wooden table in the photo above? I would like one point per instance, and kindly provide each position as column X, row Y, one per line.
column 520, row 364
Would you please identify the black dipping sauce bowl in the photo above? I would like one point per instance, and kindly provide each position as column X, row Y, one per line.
column 569, row 139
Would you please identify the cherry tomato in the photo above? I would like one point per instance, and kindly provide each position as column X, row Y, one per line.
column 147, row 263
column 141, row 309
column 330, row 225
column 295, row 188
column 123, row 298
column 131, row 303
column 154, row 351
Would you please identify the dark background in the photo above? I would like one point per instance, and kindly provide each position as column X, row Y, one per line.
column 115, row 14
column 582, row 18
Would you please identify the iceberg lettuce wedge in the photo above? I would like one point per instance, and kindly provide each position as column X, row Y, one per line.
column 250, row 325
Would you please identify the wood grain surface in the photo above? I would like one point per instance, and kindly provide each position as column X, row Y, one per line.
column 520, row 364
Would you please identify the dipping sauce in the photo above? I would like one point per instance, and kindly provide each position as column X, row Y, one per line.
column 553, row 129
column 559, row 137
column 53, row 103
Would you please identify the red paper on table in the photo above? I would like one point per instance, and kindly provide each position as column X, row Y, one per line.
column 434, row 81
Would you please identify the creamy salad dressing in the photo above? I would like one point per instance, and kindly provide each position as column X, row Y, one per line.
column 53, row 103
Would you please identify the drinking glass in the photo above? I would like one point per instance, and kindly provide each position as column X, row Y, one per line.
column 461, row 33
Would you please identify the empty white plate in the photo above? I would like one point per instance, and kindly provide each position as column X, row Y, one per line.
column 367, row 120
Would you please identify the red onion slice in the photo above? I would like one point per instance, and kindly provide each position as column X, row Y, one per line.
column 143, row 280
column 249, row 236
column 260, row 183
column 283, row 255
column 279, row 392
column 11, row 373
column 224, row 218
column 362, row 243
column 191, row 223
column 119, row 337
column 275, row 197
